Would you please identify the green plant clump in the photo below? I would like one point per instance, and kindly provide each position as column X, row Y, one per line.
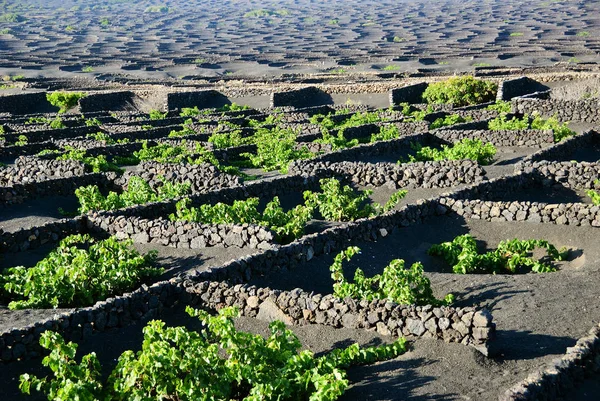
column 216, row 363
column 501, row 106
column 80, row 272
column 138, row 192
column 342, row 203
column 386, row 133
column 397, row 283
column 286, row 225
column 97, row 163
column 560, row 131
column 64, row 100
column 473, row 149
column 276, row 149
column 157, row 115
column 461, row 91
column 509, row 257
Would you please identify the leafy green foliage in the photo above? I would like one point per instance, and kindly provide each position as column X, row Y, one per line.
column 229, row 139
column 501, row 106
column 461, row 91
column 286, row 225
column 166, row 153
column 510, row 256
column 404, row 286
column 560, row 131
column 107, row 139
column 338, row 141
column 233, row 107
column 502, row 123
column 97, row 163
column 190, row 111
column 138, row 192
column 276, row 149
column 386, row 133
column 21, row 140
column 449, row 120
column 157, row 115
column 217, row 363
column 595, row 196
column 342, row 203
column 64, row 100
column 473, row 149
column 79, row 272
column 186, row 129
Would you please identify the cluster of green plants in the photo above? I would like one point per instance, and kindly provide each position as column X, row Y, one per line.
column 138, row 192
column 186, row 129
column 461, row 91
column 97, row 163
column 64, row 100
column 386, row 133
column 473, row 149
column 157, row 115
column 21, row 140
column 337, row 141
column 404, row 286
column 190, row 111
column 560, row 131
column 157, row 9
column 79, row 272
column 353, row 120
column 594, row 195
column 276, row 148
column 93, row 122
column 233, row 107
column 341, row 203
column 107, row 139
column 272, row 119
column 230, row 139
column 510, row 256
column 55, row 123
column 286, row 225
column 501, row 106
column 449, row 120
column 216, row 363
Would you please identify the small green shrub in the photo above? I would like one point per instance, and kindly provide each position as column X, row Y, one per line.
column 404, row 286
column 21, row 140
column 186, row 130
column 286, row 225
column 93, row 122
column 473, row 149
column 229, row 139
column 341, row 203
column 64, row 100
column 510, row 256
column 276, row 149
column 97, row 163
column 157, row 115
column 227, row 364
column 138, row 192
column 80, row 272
column 560, row 131
column 190, row 111
column 386, row 133
column 461, row 91
column 501, row 106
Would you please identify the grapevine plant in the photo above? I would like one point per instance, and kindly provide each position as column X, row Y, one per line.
column 81, row 271
column 96, row 163
column 341, row 203
column 276, row 148
column 216, row 363
column 286, row 225
column 461, row 91
column 404, row 286
column 64, row 100
column 560, row 131
column 594, row 195
column 473, row 149
column 511, row 256
column 138, row 192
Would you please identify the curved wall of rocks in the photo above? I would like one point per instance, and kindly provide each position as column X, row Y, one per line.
column 435, row 174
column 461, row 325
column 528, row 138
column 586, row 110
column 179, row 234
